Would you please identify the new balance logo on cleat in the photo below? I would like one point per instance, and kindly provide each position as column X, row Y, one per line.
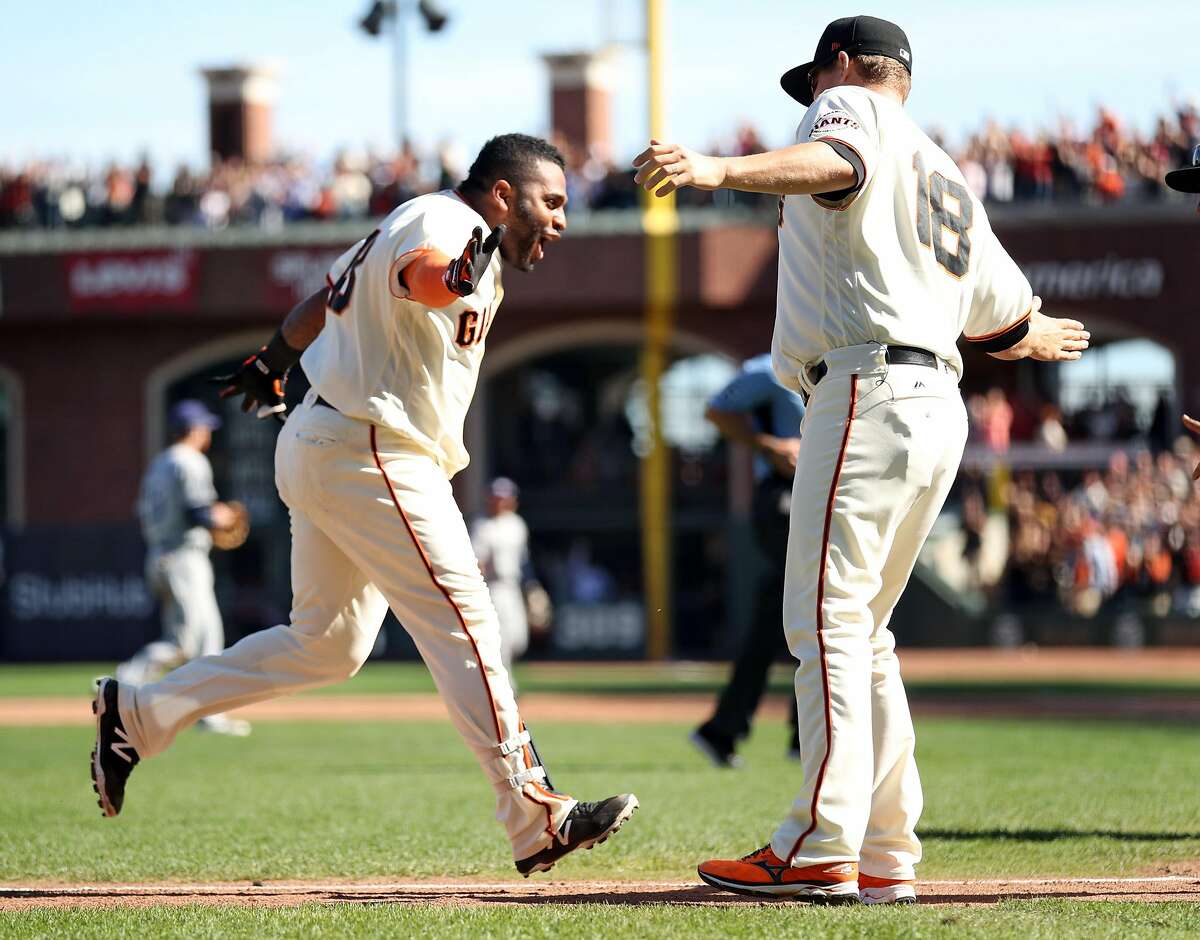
column 123, row 749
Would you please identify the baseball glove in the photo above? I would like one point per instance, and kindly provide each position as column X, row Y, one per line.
column 234, row 536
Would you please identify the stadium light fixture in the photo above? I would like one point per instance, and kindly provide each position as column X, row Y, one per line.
column 397, row 12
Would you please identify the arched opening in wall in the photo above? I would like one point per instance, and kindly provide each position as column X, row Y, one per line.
column 1122, row 391
column 568, row 423
column 253, row 582
column 12, row 457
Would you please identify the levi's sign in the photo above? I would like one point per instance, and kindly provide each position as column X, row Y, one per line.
column 132, row 281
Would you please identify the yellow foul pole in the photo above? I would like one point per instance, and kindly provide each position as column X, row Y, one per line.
column 659, row 225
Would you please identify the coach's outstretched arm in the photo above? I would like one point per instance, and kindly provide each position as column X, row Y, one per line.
column 1048, row 339
column 809, row 168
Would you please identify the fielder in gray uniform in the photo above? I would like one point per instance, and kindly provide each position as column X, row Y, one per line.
column 178, row 510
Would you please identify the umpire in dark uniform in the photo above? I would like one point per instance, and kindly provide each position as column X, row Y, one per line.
column 755, row 410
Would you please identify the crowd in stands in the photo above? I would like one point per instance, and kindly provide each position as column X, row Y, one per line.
column 1125, row 536
column 1109, row 163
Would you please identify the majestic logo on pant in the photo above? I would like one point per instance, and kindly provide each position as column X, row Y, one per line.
column 120, row 748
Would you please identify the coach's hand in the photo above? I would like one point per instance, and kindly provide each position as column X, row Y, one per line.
column 1054, row 340
column 464, row 273
column 1048, row 339
column 671, row 166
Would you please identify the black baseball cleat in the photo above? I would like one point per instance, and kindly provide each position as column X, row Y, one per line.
column 113, row 757
column 586, row 825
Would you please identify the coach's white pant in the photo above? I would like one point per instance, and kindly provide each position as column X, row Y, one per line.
column 880, row 447
column 374, row 523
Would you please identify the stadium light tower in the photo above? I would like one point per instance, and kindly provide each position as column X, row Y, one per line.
column 397, row 12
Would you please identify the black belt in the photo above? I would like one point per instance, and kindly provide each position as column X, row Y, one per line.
column 896, row 356
column 322, row 401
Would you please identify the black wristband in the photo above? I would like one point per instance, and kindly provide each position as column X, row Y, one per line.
column 1006, row 340
column 277, row 355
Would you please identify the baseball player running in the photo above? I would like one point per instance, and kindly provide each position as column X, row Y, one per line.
column 755, row 410
column 392, row 349
column 885, row 258
column 178, row 510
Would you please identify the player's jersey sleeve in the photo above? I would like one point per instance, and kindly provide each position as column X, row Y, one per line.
column 847, row 122
column 402, row 238
column 196, row 482
column 1002, row 299
column 749, row 389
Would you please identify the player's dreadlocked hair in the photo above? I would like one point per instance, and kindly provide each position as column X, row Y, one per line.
column 509, row 157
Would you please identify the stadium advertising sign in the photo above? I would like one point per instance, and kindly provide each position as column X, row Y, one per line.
column 132, row 281
column 74, row 593
column 294, row 273
column 1109, row 278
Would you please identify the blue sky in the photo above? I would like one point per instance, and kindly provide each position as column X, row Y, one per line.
column 106, row 81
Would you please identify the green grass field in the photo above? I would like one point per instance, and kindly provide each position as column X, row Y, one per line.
column 392, row 678
column 403, row 800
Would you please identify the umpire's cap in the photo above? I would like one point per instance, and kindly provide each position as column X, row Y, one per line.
column 189, row 413
column 853, row 35
column 1187, row 179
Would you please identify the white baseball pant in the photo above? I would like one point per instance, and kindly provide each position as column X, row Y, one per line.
column 374, row 523
column 880, row 448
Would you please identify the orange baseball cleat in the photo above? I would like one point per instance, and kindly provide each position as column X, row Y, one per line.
column 763, row 873
column 872, row 890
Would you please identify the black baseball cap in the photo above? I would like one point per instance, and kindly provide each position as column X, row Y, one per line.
column 1187, row 179
column 853, row 35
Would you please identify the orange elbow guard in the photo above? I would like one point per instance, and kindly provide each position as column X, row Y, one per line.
column 425, row 279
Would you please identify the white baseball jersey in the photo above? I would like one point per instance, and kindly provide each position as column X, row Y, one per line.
column 905, row 257
column 501, row 543
column 389, row 360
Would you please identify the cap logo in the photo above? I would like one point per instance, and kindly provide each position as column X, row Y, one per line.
column 834, row 46
column 905, row 56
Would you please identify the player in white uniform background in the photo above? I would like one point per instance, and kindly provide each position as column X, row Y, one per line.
column 885, row 259
column 501, row 543
column 392, row 349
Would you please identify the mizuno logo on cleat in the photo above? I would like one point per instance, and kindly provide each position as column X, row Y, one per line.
column 775, row 871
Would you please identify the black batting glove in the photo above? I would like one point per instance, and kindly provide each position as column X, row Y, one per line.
column 261, row 379
column 464, row 273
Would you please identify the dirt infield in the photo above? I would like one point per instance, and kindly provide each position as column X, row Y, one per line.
column 958, row 666
column 468, row 893
column 620, row 709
